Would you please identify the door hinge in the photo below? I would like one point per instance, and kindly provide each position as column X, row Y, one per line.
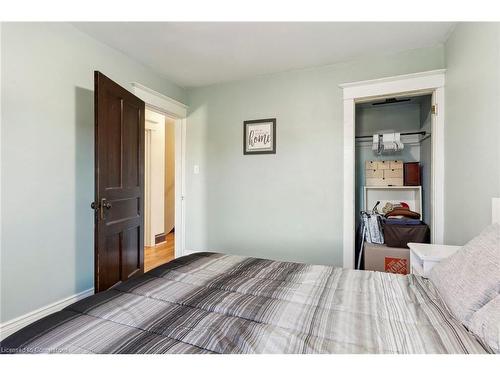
column 434, row 109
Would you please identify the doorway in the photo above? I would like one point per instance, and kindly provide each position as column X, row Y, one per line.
column 393, row 166
column 424, row 83
column 159, row 239
column 176, row 113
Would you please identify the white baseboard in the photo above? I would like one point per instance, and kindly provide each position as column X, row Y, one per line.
column 13, row 325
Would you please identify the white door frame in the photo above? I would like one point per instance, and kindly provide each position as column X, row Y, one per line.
column 178, row 111
column 147, row 189
column 417, row 83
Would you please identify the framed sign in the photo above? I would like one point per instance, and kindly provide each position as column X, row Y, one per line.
column 259, row 136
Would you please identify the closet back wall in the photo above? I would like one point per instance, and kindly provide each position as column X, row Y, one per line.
column 402, row 117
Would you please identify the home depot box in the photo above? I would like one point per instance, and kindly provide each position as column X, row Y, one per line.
column 386, row 259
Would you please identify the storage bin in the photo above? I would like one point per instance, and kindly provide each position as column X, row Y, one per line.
column 384, row 181
column 396, row 164
column 384, row 164
column 374, row 173
column 371, row 164
column 384, row 173
column 393, row 173
column 393, row 181
column 399, row 235
column 412, row 174
column 376, row 182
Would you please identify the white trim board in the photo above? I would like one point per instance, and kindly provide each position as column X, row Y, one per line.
column 180, row 180
column 178, row 111
column 13, row 325
column 1, row 59
column 431, row 82
column 1, row 26
column 415, row 82
column 495, row 210
column 156, row 100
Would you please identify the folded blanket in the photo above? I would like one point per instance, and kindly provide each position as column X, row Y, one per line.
column 403, row 221
column 402, row 211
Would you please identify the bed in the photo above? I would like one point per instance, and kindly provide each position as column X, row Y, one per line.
column 217, row 303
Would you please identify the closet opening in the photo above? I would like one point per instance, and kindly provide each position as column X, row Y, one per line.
column 159, row 202
column 393, row 179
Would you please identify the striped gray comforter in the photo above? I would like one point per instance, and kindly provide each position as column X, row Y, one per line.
column 215, row 303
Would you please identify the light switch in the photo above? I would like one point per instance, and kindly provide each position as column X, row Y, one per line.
column 196, row 169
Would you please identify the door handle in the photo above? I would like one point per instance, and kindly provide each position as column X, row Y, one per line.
column 96, row 207
column 104, row 205
column 100, row 206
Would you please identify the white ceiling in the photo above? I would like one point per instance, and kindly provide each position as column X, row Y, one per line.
column 196, row 54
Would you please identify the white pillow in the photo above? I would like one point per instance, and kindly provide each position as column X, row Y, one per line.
column 470, row 278
column 485, row 323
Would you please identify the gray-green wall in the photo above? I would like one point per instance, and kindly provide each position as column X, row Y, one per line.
column 288, row 205
column 47, row 159
column 472, row 129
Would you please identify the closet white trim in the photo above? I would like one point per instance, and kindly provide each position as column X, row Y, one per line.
column 403, row 84
column 431, row 82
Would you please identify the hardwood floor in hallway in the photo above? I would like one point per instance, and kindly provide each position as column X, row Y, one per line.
column 155, row 256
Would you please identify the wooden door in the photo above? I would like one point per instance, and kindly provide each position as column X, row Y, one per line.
column 119, row 184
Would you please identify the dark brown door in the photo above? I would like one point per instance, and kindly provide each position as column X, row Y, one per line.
column 119, row 184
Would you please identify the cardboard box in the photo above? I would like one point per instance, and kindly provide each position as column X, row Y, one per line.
column 386, row 259
column 384, row 173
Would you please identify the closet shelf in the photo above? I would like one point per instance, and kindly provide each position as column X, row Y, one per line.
column 412, row 195
column 393, row 187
